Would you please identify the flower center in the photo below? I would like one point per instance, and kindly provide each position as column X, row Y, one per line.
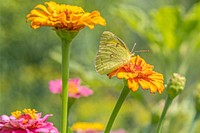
column 31, row 113
column 27, row 114
column 130, row 67
column 138, row 68
column 16, row 114
column 26, row 118
column 72, row 88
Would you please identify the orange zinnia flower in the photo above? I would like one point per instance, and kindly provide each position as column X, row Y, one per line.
column 138, row 72
column 63, row 17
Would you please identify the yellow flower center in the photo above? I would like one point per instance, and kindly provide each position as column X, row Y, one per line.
column 72, row 88
column 32, row 113
column 27, row 114
column 16, row 114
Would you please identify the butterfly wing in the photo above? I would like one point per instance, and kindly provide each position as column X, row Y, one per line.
column 113, row 53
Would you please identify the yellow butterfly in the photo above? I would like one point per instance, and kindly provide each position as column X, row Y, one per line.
column 113, row 53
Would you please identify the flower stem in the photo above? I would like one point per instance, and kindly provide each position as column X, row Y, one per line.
column 193, row 123
column 66, row 38
column 166, row 107
column 117, row 107
column 65, row 77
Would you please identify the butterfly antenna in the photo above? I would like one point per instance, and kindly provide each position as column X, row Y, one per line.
column 138, row 50
column 133, row 47
column 141, row 51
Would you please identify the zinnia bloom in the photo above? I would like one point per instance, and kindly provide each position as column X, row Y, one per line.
column 86, row 127
column 63, row 16
column 27, row 122
column 138, row 72
column 74, row 88
column 91, row 127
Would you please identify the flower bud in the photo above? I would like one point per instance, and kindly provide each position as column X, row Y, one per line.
column 175, row 85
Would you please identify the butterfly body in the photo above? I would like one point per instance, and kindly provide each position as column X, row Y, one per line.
column 113, row 53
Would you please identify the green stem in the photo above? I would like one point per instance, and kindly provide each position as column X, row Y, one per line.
column 193, row 123
column 66, row 38
column 166, row 107
column 65, row 77
column 116, row 109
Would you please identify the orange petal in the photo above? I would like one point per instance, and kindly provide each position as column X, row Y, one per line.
column 43, row 8
column 133, row 85
column 144, row 84
column 122, row 75
column 153, row 88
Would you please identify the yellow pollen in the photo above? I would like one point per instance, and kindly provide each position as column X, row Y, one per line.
column 16, row 114
column 30, row 112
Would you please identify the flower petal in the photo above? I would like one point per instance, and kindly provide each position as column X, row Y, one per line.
column 63, row 17
column 133, row 85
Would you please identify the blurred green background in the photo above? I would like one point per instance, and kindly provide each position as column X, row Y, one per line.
column 29, row 58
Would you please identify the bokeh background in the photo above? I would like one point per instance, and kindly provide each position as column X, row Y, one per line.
column 29, row 58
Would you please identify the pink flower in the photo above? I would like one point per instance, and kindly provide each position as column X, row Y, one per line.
column 27, row 122
column 119, row 131
column 75, row 89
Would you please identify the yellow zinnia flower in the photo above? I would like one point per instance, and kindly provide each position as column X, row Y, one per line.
column 63, row 16
column 138, row 72
column 84, row 127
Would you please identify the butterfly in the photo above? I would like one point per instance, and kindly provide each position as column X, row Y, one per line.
column 113, row 53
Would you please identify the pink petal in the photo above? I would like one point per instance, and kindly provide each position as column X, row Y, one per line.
column 4, row 118
column 76, row 81
column 55, row 86
column 77, row 95
column 84, row 91
column 45, row 117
